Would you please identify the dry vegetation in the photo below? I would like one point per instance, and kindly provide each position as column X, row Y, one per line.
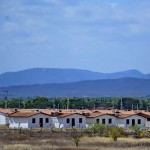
column 48, row 139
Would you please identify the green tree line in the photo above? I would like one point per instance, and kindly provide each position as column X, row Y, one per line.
column 128, row 103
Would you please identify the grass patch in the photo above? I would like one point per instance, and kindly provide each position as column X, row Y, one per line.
column 60, row 140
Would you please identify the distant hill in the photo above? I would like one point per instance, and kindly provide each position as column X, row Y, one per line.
column 96, row 88
column 55, row 75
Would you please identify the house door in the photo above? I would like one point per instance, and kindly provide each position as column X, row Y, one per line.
column 73, row 122
column 41, row 122
column 133, row 122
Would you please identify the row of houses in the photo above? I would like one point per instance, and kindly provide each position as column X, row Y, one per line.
column 50, row 118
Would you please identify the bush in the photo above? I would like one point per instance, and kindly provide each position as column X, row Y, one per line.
column 137, row 131
column 97, row 128
column 76, row 136
column 116, row 132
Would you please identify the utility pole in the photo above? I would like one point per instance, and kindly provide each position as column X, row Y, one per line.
column 94, row 106
column 147, row 109
column 67, row 103
column 53, row 105
column 113, row 106
column 121, row 104
column 24, row 104
column 6, row 98
column 19, row 103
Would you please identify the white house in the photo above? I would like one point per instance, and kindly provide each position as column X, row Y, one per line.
column 107, row 119
column 69, row 120
column 4, row 116
column 29, row 120
column 48, row 118
column 3, row 119
column 131, row 120
column 146, row 115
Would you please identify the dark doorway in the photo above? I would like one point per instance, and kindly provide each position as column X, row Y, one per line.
column 41, row 122
column 73, row 122
column 133, row 122
column 103, row 121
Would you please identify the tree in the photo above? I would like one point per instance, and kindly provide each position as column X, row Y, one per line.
column 76, row 136
column 116, row 132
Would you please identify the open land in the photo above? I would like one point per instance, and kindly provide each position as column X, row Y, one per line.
column 52, row 139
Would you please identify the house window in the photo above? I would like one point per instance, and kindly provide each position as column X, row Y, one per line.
column 33, row 120
column 68, row 120
column 110, row 121
column 103, row 121
column 133, row 122
column 148, row 119
column 80, row 120
column 46, row 120
column 127, row 121
column 97, row 120
column 139, row 121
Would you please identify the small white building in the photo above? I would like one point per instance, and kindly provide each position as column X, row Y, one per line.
column 48, row 118
column 146, row 115
column 131, row 120
column 107, row 119
column 29, row 120
column 69, row 120
column 4, row 119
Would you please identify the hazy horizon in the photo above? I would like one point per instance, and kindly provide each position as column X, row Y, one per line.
column 101, row 35
column 73, row 68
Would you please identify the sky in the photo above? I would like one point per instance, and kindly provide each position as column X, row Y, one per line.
column 97, row 35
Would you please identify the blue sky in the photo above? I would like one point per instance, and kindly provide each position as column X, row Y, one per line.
column 98, row 35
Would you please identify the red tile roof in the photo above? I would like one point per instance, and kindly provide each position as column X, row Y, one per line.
column 66, row 112
column 23, row 114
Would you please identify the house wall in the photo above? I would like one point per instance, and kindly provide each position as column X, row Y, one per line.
column 37, row 122
column 122, row 122
column 3, row 119
column 106, row 117
column 55, row 123
column 63, row 121
column 18, row 122
column 27, row 122
column 147, row 123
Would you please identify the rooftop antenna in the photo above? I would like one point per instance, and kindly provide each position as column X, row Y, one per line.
column 6, row 98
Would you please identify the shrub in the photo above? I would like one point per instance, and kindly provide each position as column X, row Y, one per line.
column 137, row 131
column 116, row 132
column 97, row 128
column 76, row 136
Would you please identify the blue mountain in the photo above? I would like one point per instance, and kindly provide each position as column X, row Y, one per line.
column 57, row 75
column 91, row 88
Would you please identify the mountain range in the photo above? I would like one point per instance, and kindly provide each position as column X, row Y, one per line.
column 129, row 87
column 56, row 75
column 55, row 82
